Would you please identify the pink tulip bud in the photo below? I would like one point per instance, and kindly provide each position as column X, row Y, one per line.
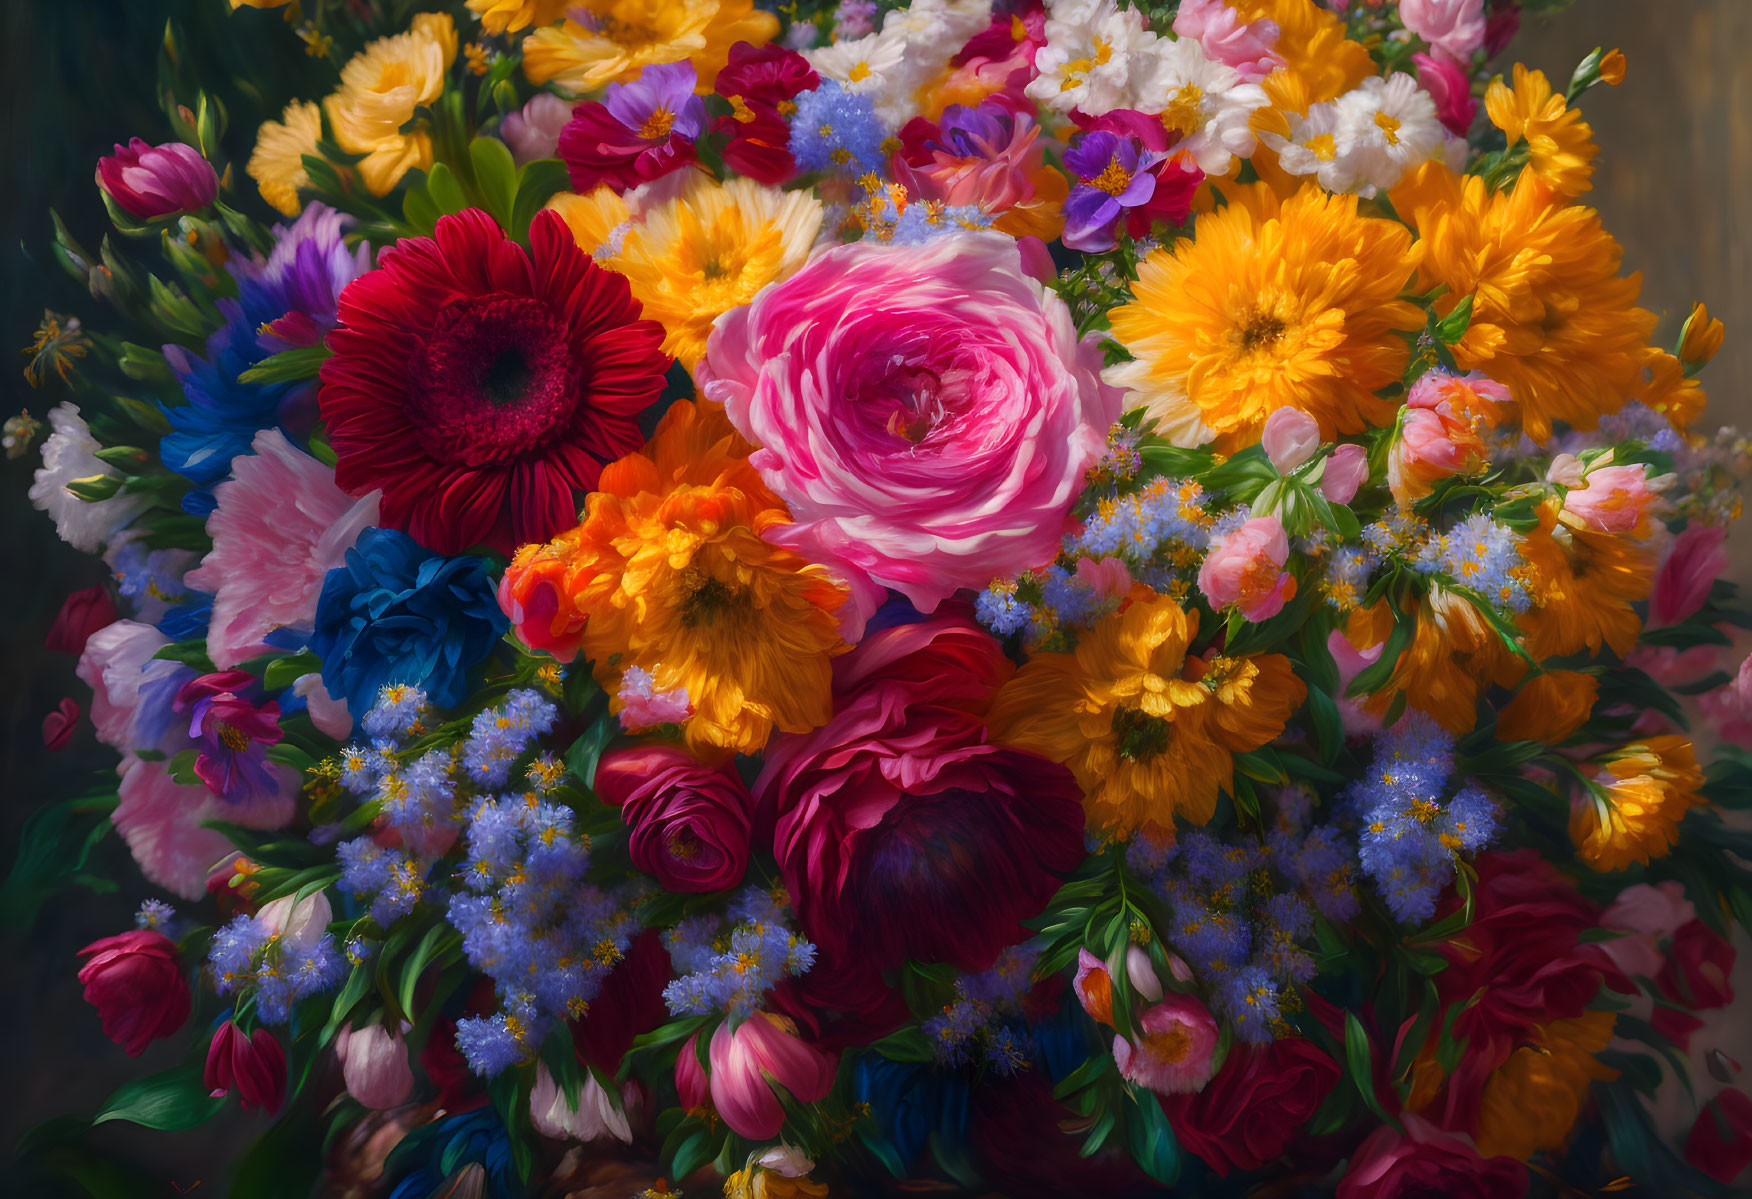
column 764, row 1050
column 149, row 181
column 1244, row 570
column 1692, row 566
column 1448, row 85
column 1175, row 1049
column 1612, row 499
column 1346, row 471
column 374, row 1063
column 1291, row 437
column 1142, row 974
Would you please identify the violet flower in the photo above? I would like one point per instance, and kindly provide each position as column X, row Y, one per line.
column 1113, row 176
column 232, row 734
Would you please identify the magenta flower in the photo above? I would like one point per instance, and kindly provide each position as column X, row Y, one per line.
column 233, row 735
column 253, row 1066
column 747, row 1062
column 1451, row 88
column 1690, row 570
column 135, row 982
column 640, row 131
column 149, row 181
column 1113, row 177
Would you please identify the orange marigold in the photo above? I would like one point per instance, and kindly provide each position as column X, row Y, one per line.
column 1560, row 146
column 1583, row 584
column 1636, row 797
column 1532, row 1101
column 1453, row 655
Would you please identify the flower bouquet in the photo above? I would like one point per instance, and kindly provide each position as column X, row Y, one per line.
column 1038, row 598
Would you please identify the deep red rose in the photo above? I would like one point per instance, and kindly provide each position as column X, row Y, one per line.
column 630, row 1003
column 58, row 725
column 82, row 613
column 1720, row 1141
column 135, row 982
column 760, row 83
column 900, row 810
column 688, row 821
column 770, row 74
column 759, row 145
column 1424, row 1161
column 253, row 1066
column 482, row 386
column 1700, row 964
column 1255, row 1106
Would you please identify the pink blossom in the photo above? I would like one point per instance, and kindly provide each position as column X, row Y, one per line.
column 1729, row 707
column 1225, row 37
column 1693, row 564
column 762, row 1051
column 1110, row 579
column 280, row 526
column 329, row 715
column 149, row 181
column 533, row 131
column 1449, row 86
column 1175, row 1049
column 645, row 708
column 1244, row 570
column 1648, row 914
column 1290, row 438
column 1453, row 28
column 926, row 411
column 132, row 692
column 59, row 724
column 374, row 1065
column 160, row 819
column 1346, row 471
column 1612, row 499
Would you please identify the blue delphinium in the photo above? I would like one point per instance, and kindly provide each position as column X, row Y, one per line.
column 246, row 956
column 759, row 950
column 399, row 613
column 837, row 132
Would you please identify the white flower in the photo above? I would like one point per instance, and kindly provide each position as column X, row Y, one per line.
column 938, row 27
column 1095, row 56
column 1313, row 148
column 861, row 66
column 71, row 453
column 299, row 926
column 1392, row 126
column 596, row 1115
column 1203, row 100
column 786, row 1160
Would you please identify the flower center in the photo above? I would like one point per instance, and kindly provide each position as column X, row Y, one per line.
column 707, row 599
column 1114, row 180
column 1141, row 736
column 1261, row 332
column 1182, row 114
column 656, row 126
column 233, row 738
column 1171, row 1045
column 1389, row 126
column 1323, row 146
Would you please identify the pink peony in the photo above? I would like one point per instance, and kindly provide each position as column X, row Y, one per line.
column 1612, row 499
column 1290, row 438
column 1346, row 471
column 1453, row 28
column 1226, row 38
column 927, row 412
column 1449, row 86
column 1729, row 707
column 1693, row 564
column 533, row 131
column 160, row 820
column 1176, row 1047
column 280, row 526
column 1244, row 569
column 747, row 1062
column 1110, row 578
column 149, row 181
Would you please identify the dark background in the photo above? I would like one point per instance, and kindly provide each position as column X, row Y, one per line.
column 79, row 74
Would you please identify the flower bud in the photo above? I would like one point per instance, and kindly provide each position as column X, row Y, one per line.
column 253, row 1066
column 1244, row 570
column 595, row 1116
column 1290, row 438
column 374, row 1063
column 1346, row 471
column 149, row 181
column 298, row 926
column 1142, row 975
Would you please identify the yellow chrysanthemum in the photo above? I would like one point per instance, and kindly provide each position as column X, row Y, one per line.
column 1639, row 795
column 277, row 166
column 1320, row 61
column 669, row 572
column 1532, row 1101
column 1583, row 583
column 592, row 217
column 754, row 1183
column 380, row 89
column 1290, row 304
column 1560, row 146
column 708, row 250
column 626, row 36
column 1453, row 656
column 1149, row 732
column 510, row 16
column 1552, row 319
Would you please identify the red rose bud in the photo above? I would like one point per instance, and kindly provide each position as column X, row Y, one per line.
column 82, row 613
column 152, row 181
column 1720, row 1143
column 689, row 822
column 254, row 1066
column 58, row 725
column 135, row 982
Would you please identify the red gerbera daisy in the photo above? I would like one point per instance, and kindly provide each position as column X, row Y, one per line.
column 481, row 386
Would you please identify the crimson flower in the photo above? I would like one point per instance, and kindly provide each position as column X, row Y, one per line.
column 480, row 386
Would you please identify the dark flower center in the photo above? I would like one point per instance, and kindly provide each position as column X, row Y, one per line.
column 707, row 599
column 1262, row 331
column 1141, row 736
column 494, row 380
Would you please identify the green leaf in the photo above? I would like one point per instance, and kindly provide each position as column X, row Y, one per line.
column 283, row 672
column 537, row 183
column 1359, row 1058
column 1151, row 1139
column 352, row 991
column 191, row 653
column 52, row 847
column 1452, row 327
column 1375, row 675
column 419, row 211
column 909, row 1044
column 416, row 964
column 584, row 753
column 288, row 366
column 444, row 189
column 496, row 174
column 170, row 1101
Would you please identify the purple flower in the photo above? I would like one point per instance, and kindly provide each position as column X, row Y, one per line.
column 302, row 276
column 1113, row 176
column 152, row 181
column 639, row 132
column 233, row 735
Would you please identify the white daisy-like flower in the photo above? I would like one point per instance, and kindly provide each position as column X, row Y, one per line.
column 1096, row 55
column 939, row 27
column 71, row 453
column 1318, row 145
column 1205, row 101
column 1392, row 126
column 862, row 65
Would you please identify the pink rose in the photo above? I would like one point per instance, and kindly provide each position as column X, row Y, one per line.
column 149, row 181
column 927, row 412
column 1290, row 438
column 1693, row 564
column 689, row 822
column 1175, row 1050
column 1346, row 471
column 533, row 131
column 1729, row 707
column 1612, row 499
column 135, row 982
column 1244, row 570
column 1449, row 86
column 1225, row 37
column 374, row 1065
column 747, row 1062
column 1453, row 28
column 1425, row 1160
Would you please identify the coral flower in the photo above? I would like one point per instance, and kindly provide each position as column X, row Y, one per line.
column 709, row 250
column 1270, row 306
column 1552, row 319
column 609, row 41
column 1442, row 431
column 480, row 385
column 1549, row 707
column 1583, row 583
column 670, row 573
column 1637, row 797
column 277, row 164
column 1148, row 731
column 1560, row 145
column 380, row 90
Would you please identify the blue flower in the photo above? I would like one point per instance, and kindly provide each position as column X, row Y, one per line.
column 399, row 613
column 446, row 1149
